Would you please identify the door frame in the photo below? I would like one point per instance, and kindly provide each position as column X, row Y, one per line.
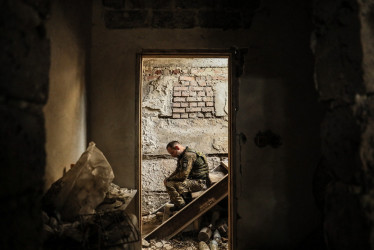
column 233, row 107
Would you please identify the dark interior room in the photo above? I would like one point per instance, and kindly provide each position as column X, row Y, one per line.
column 301, row 123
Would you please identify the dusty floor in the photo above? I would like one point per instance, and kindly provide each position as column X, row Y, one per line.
column 179, row 242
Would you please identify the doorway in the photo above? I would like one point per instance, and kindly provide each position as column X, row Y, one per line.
column 184, row 97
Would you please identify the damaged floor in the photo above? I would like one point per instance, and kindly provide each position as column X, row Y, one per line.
column 179, row 242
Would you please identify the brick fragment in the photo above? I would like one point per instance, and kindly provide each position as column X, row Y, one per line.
column 192, row 115
column 193, row 104
column 176, row 105
column 177, row 93
column 200, row 115
column 196, row 88
column 201, row 93
column 180, row 99
column 151, row 78
column 201, row 104
column 193, row 93
column 179, row 110
column 184, row 104
column 180, row 88
column 184, row 115
column 195, row 109
column 208, row 115
column 209, row 104
column 185, row 93
column 207, row 109
column 208, row 99
column 176, row 116
column 187, row 78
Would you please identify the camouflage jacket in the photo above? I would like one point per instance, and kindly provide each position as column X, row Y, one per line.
column 191, row 165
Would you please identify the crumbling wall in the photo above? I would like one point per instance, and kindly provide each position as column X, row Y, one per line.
column 24, row 66
column 184, row 99
column 275, row 91
column 343, row 46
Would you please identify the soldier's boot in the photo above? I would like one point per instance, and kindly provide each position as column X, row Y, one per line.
column 187, row 197
column 177, row 207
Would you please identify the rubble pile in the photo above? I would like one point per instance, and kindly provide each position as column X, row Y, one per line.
column 84, row 210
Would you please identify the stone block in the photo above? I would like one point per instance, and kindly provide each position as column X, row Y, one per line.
column 25, row 59
column 115, row 4
column 219, row 19
column 153, row 200
column 23, row 153
column 125, row 19
column 194, row 4
column 155, row 171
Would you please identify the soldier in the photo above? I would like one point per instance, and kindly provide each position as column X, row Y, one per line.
column 191, row 174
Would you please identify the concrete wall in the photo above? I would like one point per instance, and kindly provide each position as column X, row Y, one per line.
column 274, row 186
column 65, row 113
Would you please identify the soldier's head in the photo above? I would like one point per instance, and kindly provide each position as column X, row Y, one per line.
column 175, row 148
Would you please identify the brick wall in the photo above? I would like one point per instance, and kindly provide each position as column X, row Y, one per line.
column 193, row 91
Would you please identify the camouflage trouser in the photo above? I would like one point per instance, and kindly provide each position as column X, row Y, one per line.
column 176, row 189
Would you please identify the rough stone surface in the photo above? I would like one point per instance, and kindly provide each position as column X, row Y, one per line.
column 24, row 60
column 343, row 49
column 155, row 171
column 176, row 14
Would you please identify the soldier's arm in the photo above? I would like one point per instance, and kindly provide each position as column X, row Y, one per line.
column 185, row 171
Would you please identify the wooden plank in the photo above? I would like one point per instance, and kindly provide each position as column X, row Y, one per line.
column 191, row 212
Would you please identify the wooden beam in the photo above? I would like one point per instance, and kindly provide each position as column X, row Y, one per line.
column 191, row 212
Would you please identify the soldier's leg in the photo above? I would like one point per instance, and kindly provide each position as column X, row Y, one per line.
column 174, row 189
column 190, row 186
column 195, row 185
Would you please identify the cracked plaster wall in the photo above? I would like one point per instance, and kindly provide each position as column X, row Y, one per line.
column 208, row 135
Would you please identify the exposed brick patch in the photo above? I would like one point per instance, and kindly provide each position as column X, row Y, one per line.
column 192, row 90
column 192, row 101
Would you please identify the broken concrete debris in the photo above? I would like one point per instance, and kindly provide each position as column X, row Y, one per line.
column 84, row 210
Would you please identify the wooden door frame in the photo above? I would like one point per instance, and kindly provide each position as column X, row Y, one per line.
column 231, row 54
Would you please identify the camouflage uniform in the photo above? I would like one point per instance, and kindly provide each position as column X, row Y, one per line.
column 191, row 175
